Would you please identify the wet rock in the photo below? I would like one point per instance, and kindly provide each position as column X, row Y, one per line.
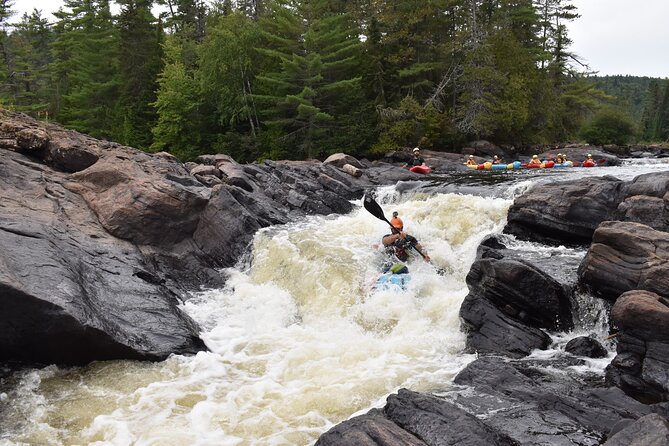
column 585, row 346
column 647, row 201
column 491, row 330
column 510, row 301
column 565, row 212
column 641, row 367
column 533, row 406
column 436, row 421
column 540, row 300
column 70, row 292
column 342, row 159
column 143, row 199
column 651, row 429
column 626, row 256
column 371, row 429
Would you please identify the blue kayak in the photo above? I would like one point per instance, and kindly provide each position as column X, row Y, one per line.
column 390, row 280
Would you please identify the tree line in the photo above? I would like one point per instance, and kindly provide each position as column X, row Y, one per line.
column 296, row 79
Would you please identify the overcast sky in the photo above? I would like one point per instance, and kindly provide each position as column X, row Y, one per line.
column 612, row 36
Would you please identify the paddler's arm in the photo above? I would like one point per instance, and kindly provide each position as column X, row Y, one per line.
column 420, row 250
column 390, row 239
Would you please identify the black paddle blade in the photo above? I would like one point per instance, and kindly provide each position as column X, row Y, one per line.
column 373, row 207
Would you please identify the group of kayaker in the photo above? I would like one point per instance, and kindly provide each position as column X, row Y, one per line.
column 561, row 158
column 495, row 160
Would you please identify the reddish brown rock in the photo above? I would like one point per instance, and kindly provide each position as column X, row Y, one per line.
column 626, row 256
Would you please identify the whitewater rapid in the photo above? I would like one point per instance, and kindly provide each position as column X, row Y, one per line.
column 298, row 340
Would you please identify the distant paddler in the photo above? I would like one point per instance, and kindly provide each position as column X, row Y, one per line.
column 471, row 161
column 535, row 161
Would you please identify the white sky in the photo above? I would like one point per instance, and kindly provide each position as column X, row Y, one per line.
column 611, row 36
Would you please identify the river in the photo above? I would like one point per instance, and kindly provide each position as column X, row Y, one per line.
column 299, row 340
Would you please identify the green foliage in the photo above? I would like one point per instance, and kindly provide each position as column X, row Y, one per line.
column 85, row 71
column 139, row 49
column 28, row 81
column 609, row 126
column 177, row 130
column 306, row 78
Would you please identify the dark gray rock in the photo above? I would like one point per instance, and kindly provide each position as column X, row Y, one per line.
column 490, row 331
column 438, row 422
column 524, row 291
column 565, row 212
column 585, row 346
column 533, row 406
column 650, row 430
column 70, row 292
column 371, row 429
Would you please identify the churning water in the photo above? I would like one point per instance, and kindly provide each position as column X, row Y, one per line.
column 298, row 339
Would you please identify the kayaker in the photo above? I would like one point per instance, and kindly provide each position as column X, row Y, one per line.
column 589, row 161
column 535, row 161
column 470, row 161
column 560, row 159
column 417, row 160
column 497, row 160
column 399, row 242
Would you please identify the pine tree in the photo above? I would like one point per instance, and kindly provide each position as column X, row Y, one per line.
column 85, row 67
column 141, row 61
column 226, row 74
column 31, row 57
column 8, row 89
column 651, row 113
column 312, row 71
column 178, row 129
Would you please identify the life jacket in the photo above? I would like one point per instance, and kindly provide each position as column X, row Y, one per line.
column 400, row 248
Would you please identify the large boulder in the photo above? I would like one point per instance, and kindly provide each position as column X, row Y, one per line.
column 70, row 292
column 510, row 301
column 647, row 201
column 649, row 430
column 370, row 429
column 586, row 346
column 497, row 401
column 626, row 256
column 342, row 159
column 141, row 198
column 641, row 367
column 565, row 212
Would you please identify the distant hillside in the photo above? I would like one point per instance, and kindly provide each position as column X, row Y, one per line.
column 630, row 92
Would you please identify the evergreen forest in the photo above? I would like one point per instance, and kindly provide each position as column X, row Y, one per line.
column 298, row 79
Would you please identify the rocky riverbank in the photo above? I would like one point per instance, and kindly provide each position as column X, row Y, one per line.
column 516, row 300
column 101, row 243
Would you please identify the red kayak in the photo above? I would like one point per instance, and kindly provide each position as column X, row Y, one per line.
column 588, row 163
column 421, row 169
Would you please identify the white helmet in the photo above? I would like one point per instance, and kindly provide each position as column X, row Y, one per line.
column 416, row 149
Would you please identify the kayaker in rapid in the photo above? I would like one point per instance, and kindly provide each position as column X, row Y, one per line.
column 470, row 161
column 497, row 160
column 399, row 243
column 535, row 161
column 590, row 160
column 417, row 160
